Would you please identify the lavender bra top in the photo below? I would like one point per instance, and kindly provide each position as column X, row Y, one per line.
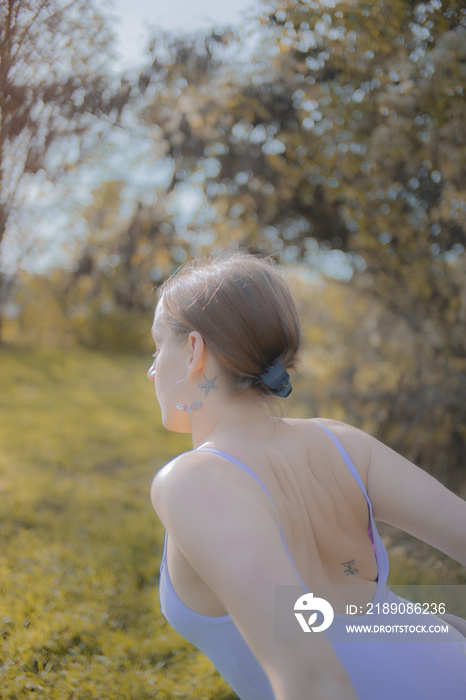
column 220, row 640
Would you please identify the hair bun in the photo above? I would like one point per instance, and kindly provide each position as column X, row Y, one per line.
column 276, row 379
column 243, row 308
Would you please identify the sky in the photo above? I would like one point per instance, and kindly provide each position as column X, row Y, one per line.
column 134, row 19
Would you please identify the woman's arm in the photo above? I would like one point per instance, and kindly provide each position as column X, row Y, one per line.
column 224, row 525
column 406, row 496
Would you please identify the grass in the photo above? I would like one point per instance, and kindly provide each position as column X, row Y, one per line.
column 80, row 440
column 79, row 616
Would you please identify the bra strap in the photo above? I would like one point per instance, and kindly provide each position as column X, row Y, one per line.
column 230, row 458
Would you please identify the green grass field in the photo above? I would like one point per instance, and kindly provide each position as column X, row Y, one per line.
column 80, row 440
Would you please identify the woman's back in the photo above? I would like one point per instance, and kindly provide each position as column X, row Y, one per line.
column 421, row 669
column 322, row 510
column 315, row 497
column 263, row 503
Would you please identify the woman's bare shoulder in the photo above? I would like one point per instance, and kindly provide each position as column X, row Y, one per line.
column 354, row 440
column 195, row 478
column 185, row 468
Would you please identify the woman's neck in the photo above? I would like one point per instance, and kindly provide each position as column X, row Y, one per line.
column 228, row 414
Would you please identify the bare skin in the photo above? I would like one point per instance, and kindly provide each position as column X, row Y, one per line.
column 220, row 522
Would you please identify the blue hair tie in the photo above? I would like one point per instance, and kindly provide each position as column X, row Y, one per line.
column 276, row 379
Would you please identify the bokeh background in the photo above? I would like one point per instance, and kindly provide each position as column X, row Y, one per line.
column 328, row 135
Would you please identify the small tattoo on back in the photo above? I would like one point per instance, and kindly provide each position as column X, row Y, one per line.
column 350, row 569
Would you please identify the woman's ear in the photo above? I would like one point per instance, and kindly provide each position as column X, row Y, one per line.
column 196, row 354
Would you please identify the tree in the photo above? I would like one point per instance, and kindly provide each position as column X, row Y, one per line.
column 55, row 94
column 346, row 112
column 347, row 132
column 107, row 299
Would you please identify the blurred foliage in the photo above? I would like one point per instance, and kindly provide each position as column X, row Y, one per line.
column 364, row 364
column 116, row 270
column 348, row 128
column 47, row 320
column 56, row 97
column 80, row 439
column 339, row 139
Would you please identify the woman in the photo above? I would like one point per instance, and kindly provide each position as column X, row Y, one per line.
column 264, row 503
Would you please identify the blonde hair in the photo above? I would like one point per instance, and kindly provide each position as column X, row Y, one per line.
column 243, row 308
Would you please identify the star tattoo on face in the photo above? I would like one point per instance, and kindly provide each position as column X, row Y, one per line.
column 207, row 384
